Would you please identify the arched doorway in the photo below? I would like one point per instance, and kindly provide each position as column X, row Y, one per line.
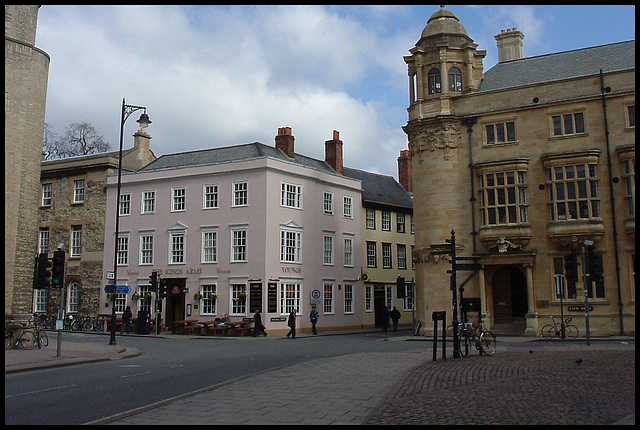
column 509, row 288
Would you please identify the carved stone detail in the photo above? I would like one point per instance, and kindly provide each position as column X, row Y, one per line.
column 446, row 135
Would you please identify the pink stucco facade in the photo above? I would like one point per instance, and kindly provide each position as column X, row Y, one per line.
column 292, row 247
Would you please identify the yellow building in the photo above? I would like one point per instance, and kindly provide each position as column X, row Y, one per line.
column 387, row 221
column 526, row 162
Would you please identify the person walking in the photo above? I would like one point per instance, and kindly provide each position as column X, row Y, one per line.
column 313, row 317
column 395, row 316
column 126, row 319
column 385, row 318
column 257, row 324
column 292, row 324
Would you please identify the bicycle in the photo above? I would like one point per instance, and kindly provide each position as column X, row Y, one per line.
column 551, row 331
column 26, row 339
column 91, row 324
column 39, row 325
column 71, row 323
column 485, row 340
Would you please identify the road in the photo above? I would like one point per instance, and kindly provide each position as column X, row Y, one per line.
column 167, row 368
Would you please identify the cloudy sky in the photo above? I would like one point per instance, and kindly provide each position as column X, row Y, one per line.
column 214, row 76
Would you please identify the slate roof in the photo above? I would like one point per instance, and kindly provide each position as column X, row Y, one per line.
column 377, row 189
column 228, row 154
column 560, row 65
column 381, row 189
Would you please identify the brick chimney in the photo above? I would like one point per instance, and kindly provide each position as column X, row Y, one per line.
column 510, row 46
column 404, row 170
column 284, row 141
column 333, row 153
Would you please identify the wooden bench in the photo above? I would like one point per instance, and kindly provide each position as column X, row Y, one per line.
column 216, row 329
column 193, row 328
column 241, row 331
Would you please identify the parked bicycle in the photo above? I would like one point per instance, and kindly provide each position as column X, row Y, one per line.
column 91, row 324
column 554, row 331
column 71, row 322
column 17, row 335
column 37, row 326
column 47, row 322
column 484, row 340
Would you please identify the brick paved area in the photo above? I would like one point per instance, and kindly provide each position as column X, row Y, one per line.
column 543, row 387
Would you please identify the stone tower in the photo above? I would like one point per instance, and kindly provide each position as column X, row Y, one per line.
column 444, row 64
column 26, row 72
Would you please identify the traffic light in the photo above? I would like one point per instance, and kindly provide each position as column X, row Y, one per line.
column 57, row 271
column 400, row 287
column 596, row 269
column 571, row 266
column 154, row 281
column 162, row 291
column 42, row 279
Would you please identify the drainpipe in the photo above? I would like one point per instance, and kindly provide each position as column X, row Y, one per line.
column 469, row 122
column 603, row 91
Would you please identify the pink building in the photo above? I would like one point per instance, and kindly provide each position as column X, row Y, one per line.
column 238, row 228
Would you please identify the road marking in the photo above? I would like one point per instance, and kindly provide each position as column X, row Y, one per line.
column 39, row 391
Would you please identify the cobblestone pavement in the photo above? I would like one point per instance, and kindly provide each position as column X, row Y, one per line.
column 537, row 387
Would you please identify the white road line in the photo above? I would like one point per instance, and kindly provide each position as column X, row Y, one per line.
column 40, row 391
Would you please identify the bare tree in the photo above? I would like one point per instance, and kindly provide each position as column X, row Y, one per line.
column 50, row 145
column 79, row 139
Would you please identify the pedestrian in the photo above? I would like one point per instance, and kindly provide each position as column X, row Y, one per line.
column 313, row 317
column 126, row 319
column 257, row 324
column 395, row 316
column 385, row 318
column 292, row 324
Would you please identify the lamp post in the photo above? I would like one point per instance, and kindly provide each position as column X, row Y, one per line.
column 144, row 122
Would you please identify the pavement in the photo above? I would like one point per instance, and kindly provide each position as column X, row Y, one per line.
column 540, row 382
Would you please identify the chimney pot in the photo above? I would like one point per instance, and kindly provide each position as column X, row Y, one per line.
column 333, row 153
column 285, row 141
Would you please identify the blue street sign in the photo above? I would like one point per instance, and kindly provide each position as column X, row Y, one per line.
column 109, row 289
column 123, row 289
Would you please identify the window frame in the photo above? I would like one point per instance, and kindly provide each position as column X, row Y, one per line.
column 291, row 195
column 147, row 256
column 214, row 202
column 47, row 194
column 78, row 192
column 239, row 249
column 240, row 194
column 178, row 202
column 148, row 205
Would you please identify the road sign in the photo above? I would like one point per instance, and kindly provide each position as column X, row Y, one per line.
column 579, row 308
column 468, row 266
column 440, row 249
column 111, row 275
column 123, row 289
column 109, row 289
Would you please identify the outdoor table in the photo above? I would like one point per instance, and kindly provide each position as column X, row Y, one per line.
column 179, row 327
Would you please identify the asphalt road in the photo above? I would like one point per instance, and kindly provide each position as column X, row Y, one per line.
column 166, row 368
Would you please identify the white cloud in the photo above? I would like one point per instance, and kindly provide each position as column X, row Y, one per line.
column 217, row 77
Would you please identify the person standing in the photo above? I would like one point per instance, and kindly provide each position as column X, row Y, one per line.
column 258, row 327
column 292, row 324
column 126, row 319
column 395, row 316
column 313, row 317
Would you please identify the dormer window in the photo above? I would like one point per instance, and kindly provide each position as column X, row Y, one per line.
column 455, row 79
column 434, row 81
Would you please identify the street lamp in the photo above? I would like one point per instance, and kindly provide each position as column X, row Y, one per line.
column 144, row 122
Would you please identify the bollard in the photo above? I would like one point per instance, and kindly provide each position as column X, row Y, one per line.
column 439, row 316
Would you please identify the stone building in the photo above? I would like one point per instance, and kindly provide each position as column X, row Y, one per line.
column 26, row 73
column 525, row 162
column 73, row 202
